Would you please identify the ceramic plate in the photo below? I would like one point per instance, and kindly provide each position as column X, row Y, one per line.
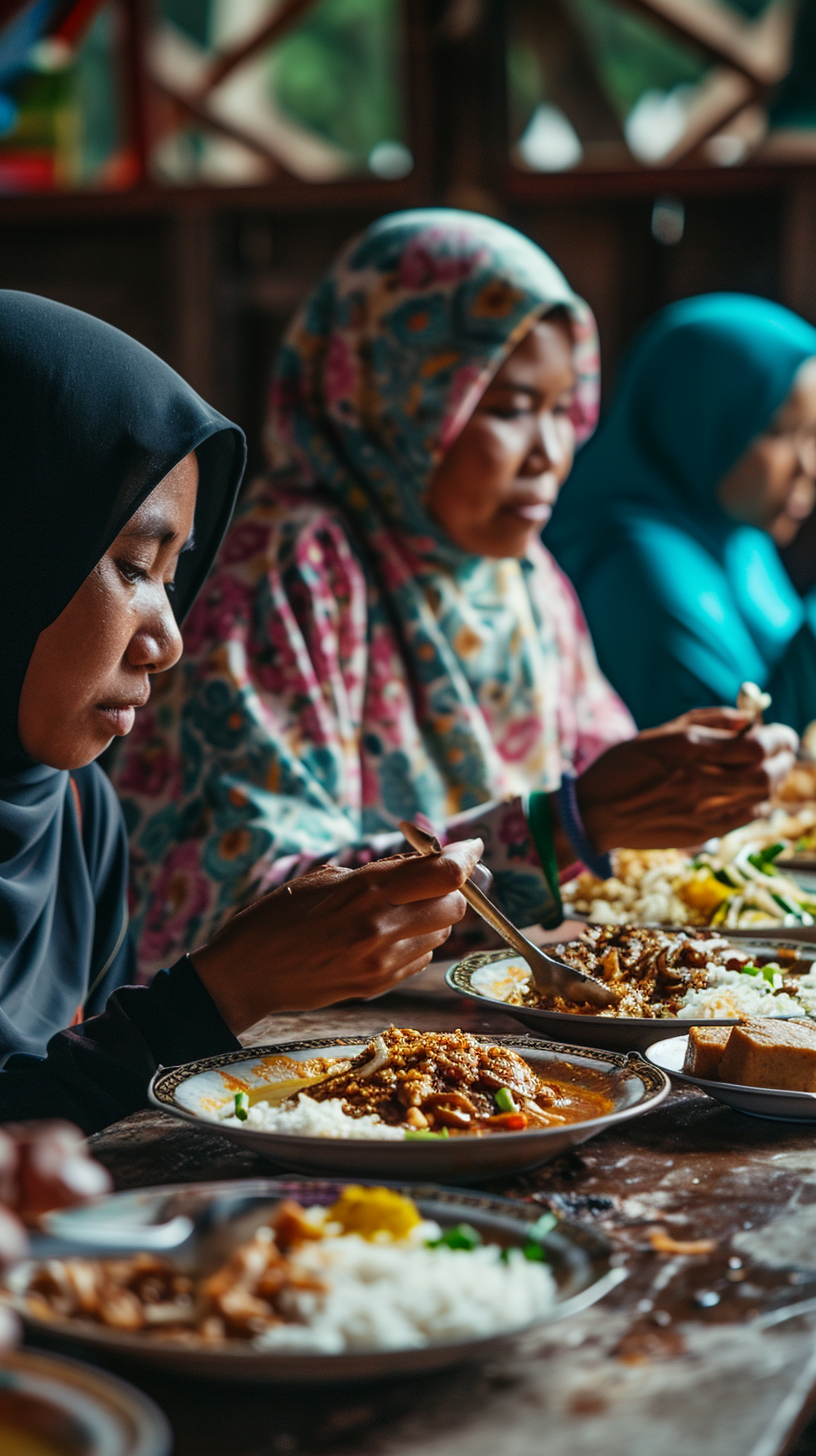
column 78, row 1409
column 194, row 1091
column 578, row 1256
column 480, row 976
column 802, row 872
column 771, row 1102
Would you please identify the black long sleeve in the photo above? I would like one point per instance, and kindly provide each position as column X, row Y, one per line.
column 97, row 1072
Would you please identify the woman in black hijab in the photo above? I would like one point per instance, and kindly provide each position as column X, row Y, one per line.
column 118, row 483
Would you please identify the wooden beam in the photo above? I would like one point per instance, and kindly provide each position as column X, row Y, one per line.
column 721, row 96
column 573, row 83
column 761, row 51
column 200, row 112
column 283, row 19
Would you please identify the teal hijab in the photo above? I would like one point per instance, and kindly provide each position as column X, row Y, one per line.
column 683, row 602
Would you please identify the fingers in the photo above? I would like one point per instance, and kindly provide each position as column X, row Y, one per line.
column 415, row 878
column 399, row 962
column 53, row 1168
column 728, row 720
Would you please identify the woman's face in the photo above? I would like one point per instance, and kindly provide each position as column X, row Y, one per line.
column 773, row 485
column 91, row 668
column 496, row 487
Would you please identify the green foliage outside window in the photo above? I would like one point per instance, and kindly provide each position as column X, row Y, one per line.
column 632, row 55
column 338, row 72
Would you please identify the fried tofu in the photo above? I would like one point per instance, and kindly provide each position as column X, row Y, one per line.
column 765, row 1052
column 706, row 1045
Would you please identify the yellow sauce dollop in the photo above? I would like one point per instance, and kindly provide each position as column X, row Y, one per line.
column 374, row 1212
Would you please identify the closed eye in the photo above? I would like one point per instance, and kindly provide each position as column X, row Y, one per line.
column 131, row 573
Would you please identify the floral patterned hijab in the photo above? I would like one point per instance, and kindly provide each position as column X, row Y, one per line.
column 377, row 376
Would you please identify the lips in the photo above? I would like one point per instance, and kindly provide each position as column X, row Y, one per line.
column 120, row 717
column 535, row 511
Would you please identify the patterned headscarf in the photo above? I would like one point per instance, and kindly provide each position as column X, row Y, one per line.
column 377, row 376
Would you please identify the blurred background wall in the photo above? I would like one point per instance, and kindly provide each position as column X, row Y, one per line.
column 187, row 168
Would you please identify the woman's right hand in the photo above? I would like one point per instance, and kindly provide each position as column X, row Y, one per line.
column 43, row 1165
column 334, row 934
column 682, row 783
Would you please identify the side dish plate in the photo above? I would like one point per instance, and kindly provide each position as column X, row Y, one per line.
column 774, row 1103
column 77, row 1408
column 472, row 977
column 579, row 1257
column 193, row 1092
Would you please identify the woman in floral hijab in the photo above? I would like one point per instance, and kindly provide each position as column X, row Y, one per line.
column 349, row 665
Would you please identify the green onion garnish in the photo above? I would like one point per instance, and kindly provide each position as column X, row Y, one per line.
column 241, row 1106
column 505, row 1101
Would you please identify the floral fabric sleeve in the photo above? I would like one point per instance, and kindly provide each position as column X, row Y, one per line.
column 591, row 716
column 249, row 765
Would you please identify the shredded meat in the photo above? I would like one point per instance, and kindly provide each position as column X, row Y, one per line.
column 449, row 1080
column 651, row 969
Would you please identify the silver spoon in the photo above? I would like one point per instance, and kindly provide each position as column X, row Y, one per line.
column 552, row 977
column 207, row 1237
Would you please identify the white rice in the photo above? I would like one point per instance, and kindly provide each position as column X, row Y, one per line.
column 728, row 993
column 395, row 1296
column 307, row 1118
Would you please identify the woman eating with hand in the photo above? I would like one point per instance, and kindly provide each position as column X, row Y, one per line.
column 120, row 484
column 384, row 636
column 704, row 467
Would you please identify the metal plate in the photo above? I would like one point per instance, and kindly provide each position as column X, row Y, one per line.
column 579, row 1257
column 99, row 1414
column 618, row 1033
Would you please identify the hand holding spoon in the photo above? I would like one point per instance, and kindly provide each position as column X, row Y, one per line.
column 552, row 977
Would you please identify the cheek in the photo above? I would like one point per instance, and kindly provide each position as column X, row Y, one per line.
column 778, row 471
column 490, row 457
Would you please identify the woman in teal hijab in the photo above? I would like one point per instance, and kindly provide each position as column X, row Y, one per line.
column 670, row 523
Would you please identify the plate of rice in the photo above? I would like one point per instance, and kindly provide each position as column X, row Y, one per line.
column 448, row 1106
column 316, row 1280
column 667, row 980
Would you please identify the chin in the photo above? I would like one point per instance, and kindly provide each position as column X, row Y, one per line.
column 77, row 755
column 510, row 544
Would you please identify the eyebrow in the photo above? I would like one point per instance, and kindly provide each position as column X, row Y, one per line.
column 529, row 389
column 153, row 526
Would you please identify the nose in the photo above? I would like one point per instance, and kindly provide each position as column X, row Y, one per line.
column 549, row 450
column 156, row 644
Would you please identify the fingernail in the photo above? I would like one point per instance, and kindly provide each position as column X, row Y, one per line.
column 465, row 847
column 84, row 1177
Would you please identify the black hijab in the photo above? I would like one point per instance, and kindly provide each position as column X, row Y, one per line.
column 90, row 423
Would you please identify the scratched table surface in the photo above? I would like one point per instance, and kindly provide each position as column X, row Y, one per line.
column 708, row 1354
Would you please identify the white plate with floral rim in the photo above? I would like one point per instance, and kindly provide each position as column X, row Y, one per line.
column 198, row 1091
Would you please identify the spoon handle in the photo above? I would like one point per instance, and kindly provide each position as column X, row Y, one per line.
column 428, row 844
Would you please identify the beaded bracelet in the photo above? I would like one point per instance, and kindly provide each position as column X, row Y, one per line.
column 573, row 826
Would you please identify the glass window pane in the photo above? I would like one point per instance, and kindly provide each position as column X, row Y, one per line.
column 325, row 101
column 62, row 122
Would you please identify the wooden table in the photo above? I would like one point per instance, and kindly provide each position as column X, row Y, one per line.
column 692, row 1356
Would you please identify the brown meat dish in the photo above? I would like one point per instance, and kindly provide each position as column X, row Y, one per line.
column 449, row 1080
column 149, row 1295
column 651, row 969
